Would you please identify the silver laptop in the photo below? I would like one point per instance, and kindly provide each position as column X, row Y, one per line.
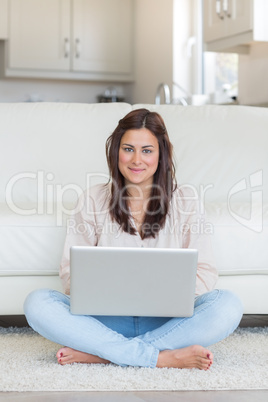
column 133, row 281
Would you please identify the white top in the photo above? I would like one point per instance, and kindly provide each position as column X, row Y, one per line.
column 185, row 227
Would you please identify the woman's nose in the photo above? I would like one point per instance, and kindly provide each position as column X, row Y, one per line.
column 136, row 158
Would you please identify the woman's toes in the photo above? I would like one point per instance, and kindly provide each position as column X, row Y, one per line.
column 61, row 352
column 65, row 360
column 64, row 355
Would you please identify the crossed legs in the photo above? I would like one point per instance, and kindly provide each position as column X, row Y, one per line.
column 151, row 342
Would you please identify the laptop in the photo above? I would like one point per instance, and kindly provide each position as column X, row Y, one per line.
column 130, row 281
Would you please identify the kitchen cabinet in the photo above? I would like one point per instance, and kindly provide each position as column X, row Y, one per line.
column 3, row 19
column 39, row 36
column 102, row 35
column 232, row 25
column 71, row 39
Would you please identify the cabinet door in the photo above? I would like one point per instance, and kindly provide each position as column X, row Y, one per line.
column 102, row 36
column 225, row 18
column 39, row 34
column 3, row 19
column 214, row 27
column 239, row 16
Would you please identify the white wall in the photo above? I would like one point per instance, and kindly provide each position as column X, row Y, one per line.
column 187, row 49
column 253, row 76
column 153, row 48
column 183, row 51
column 162, row 51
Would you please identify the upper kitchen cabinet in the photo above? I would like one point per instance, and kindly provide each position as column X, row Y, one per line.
column 231, row 25
column 71, row 39
column 39, row 35
column 3, row 19
column 102, row 36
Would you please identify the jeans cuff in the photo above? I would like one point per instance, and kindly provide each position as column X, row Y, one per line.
column 154, row 358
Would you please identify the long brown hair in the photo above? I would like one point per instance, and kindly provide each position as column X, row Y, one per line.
column 164, row 182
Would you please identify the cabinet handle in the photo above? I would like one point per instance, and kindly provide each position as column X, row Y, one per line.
column 77, row 48
column 226, row 7
column 66, row 47
column 218, row 9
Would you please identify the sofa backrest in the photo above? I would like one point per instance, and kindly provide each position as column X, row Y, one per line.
column 221, row 150
column 53, row 150
column 47, row 149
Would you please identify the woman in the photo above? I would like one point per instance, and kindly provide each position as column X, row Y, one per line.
column 140, row 207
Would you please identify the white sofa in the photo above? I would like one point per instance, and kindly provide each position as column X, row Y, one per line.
column 50, row 152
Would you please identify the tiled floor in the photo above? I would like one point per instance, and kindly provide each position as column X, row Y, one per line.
column 189, row 396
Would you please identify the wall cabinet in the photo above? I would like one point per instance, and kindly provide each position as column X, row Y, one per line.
column 39, row 34
column 3, row 19
column 102, row 36
column 231, row 25
column 79, row 39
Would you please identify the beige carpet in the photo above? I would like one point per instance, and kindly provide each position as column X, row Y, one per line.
column 28, row 363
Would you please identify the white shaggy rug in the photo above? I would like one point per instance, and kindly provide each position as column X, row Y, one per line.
column 28, row 363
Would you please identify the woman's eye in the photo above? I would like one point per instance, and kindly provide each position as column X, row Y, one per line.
column 145, row 151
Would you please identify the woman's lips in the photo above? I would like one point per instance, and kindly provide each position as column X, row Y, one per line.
column 136, row 170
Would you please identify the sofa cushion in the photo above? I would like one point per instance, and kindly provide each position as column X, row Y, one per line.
column 239, row 237
column 30, row 245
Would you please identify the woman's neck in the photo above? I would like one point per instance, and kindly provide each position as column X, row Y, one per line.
column 138, row 193
column 137, row 201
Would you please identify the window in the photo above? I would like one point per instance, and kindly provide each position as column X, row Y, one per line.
column 221, row 76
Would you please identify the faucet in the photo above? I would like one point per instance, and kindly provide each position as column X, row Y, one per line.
column 166, row 93
column 181, row 100
column 164, row 86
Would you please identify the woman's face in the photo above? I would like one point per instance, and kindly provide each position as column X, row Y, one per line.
column 138, row 157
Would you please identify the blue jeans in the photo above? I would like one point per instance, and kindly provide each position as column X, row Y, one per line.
column 133, row 341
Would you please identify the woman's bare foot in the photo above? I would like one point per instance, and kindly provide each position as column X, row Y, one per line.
column 67, row 356
column 190, row 357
